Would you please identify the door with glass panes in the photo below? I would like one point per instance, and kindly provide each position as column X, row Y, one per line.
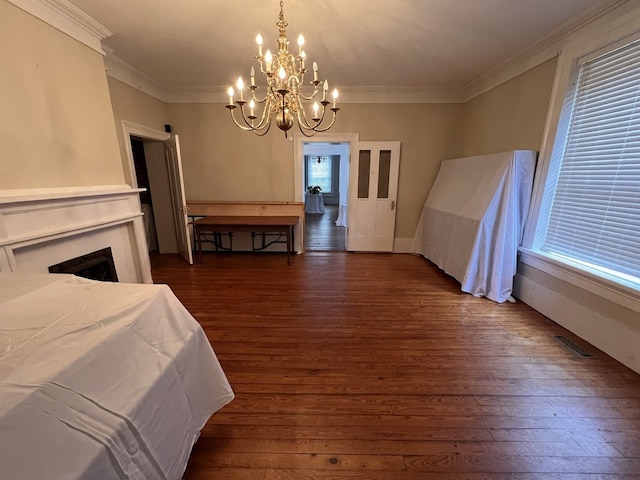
column 373, row 192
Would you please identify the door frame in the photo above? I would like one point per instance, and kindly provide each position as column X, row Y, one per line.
column 298, row 157
column 298, row 162
column 133, row 129
column 151, row 137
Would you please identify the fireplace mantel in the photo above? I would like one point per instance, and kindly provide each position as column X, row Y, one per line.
column 43, row 227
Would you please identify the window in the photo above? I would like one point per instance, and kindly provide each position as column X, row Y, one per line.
column 590, row 212
column 319, row 172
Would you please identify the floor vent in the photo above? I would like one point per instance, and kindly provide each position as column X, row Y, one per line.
column 577, row 349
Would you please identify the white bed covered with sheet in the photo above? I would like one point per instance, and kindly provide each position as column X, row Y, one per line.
column 100, row 380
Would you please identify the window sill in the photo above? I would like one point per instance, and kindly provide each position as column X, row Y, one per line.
column 626, row 295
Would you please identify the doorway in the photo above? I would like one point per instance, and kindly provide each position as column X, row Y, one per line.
column 147, row 168
column 326, row 171
column 324, row 161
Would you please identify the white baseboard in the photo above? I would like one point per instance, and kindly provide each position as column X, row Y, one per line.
column 609, row 335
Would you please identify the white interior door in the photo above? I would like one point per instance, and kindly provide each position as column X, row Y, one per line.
column 373, row 193
column 178, row 198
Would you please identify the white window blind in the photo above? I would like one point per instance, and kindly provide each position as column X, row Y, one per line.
column 594, row 214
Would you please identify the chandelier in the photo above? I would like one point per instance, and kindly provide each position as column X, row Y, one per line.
column 285, row 100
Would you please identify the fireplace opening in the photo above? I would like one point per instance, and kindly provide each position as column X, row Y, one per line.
column 96, row 265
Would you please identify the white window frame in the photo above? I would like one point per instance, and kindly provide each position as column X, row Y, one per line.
column 331, row 172
column 622, row 29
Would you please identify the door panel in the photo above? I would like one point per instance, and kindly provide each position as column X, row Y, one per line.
column 374, row 190
column 178, row 198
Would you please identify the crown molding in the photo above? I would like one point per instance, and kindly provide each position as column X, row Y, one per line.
column 540, row 52
column 396, row 94
column 549, row 47
column 67, row 18
column 353, row 94
column 74, row 22
column 120, row 70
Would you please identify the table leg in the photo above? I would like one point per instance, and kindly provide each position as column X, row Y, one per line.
column 199, row 238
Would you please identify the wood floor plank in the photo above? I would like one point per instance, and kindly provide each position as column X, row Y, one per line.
column 377, row 367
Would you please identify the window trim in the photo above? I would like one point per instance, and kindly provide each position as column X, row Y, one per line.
column 580, row 277
column 622, row 29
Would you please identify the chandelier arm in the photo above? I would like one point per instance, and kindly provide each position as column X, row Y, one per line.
column 258, row 100
column 316, row 123
column 264, row 120
column 302, row 130
column 233, row 117
column 302, row 118
column 263, row 131
column 300, row 93
column 333, row 119
column 310, row 97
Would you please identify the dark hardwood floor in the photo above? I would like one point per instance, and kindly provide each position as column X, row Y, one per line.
column 321, row 232
column 376, row 367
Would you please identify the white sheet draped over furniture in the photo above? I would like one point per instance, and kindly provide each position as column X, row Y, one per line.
column 472, row 222
column 341, row 221
column 150, row 227
column 100, row 380
column 314, row 203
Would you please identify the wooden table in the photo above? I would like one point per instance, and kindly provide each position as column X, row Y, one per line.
column 263, row 224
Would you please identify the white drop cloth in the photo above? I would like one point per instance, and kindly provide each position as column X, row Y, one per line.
column 100, row 380
column 473, row 220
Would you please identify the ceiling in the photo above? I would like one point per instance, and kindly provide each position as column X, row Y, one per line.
column 356, row 43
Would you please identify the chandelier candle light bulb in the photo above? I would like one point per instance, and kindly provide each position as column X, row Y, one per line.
column 259, row 42
column 240, row 85
column 268, row 58
column 286, row 94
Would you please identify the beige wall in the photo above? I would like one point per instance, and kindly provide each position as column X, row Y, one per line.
column 509, row 117
column 132, row 105
column 56, row 127
column 221, row 162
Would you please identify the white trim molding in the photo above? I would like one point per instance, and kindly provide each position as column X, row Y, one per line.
column 118, row 69
column 298, row 155
column 42, row 227
column 69, row 19
column 129, row 129
column 608, row 289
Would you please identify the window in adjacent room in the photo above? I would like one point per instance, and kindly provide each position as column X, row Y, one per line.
column 589, row 216
column 319, row 172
